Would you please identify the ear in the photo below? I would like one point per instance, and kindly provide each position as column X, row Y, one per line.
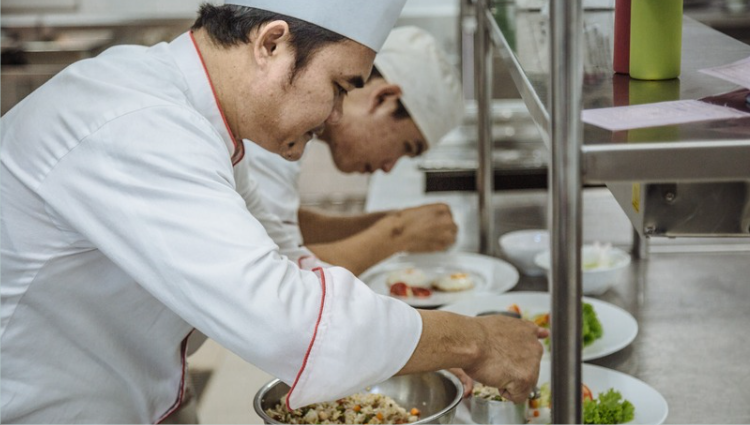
column 385, row 96
column 271, row 40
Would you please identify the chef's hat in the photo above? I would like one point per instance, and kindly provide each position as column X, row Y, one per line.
column 364, row 21
column 430, row 86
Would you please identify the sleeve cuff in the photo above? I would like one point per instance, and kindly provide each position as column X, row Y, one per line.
column 347, row 351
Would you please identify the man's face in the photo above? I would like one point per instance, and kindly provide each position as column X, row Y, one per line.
column 368, row 137
column 295, row 109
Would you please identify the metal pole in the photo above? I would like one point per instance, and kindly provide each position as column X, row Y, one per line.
column 566, row 23
column 483, row 87
column 640, row 246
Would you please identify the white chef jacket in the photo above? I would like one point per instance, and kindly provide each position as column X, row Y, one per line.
column 124, row 227
column 278, row 182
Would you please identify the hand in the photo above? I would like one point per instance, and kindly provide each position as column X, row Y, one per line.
column 424, row 229
column 509, row 357
column 465, row 379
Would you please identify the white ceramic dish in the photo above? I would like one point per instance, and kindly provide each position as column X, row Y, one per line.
column 522, row 246
column 595, row 280
column 650, row 405
column 620, row 327
column 489, row 274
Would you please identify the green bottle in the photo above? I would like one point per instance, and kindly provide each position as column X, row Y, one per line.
column 655, row 39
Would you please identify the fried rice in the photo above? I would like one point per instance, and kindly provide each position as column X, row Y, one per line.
column 360, row 408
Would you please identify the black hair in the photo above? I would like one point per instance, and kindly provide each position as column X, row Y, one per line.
column 230, row 25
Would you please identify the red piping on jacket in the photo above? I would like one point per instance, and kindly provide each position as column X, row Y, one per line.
column 301, row 259
column 239, row 148
column 181, row 393
column 318, row 270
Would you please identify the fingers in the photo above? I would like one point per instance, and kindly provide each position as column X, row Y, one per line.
column 542, row 333
column 512, row 356
column 517, row 396
column 465, row 379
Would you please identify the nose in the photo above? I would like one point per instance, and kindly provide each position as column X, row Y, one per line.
column 388, row 166
column 338, row 110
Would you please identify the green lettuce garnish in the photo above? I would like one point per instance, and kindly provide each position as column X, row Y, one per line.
column 592, row 328
column 608, row 408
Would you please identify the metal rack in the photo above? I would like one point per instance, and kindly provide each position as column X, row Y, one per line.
column 573, row 77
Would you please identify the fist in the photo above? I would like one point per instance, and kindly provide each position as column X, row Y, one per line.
column 426, row 228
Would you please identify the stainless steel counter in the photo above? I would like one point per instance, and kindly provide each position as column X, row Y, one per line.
column 690, row 297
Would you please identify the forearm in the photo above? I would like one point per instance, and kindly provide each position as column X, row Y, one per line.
column 361, row 251
column 495, row 350
column 319, row 228
column 448, row 341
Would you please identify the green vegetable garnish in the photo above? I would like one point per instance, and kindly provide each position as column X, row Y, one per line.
column 608, row 408
column 592, row 328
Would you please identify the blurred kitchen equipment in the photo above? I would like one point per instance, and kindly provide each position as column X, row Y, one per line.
column 603, row 267
column 502, row 312
column 485, row 411
column 435, row 394
column 655, row 39
column 522, row 246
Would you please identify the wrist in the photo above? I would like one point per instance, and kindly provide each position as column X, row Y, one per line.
column 392, row 228
column 474, row 339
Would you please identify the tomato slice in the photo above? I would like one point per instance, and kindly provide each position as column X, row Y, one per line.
column 400, row 289
column 421, row 292
column 586, row 393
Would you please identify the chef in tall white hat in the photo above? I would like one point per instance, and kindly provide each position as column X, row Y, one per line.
column 412, row 99
column 125, row 226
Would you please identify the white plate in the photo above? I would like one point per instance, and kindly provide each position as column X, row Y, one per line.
column 620, row 327
column 650, row 405
column 490, row 275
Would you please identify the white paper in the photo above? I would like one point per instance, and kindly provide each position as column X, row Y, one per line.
column 658, row 114
column 735, row 72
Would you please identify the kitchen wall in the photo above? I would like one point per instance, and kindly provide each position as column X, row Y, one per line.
column 163, row 8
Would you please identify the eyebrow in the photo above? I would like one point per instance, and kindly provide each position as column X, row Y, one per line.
column 358, row 82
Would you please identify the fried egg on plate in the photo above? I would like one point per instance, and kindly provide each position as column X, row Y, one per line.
column 454, row 282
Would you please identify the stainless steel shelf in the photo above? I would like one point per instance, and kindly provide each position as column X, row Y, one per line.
column 708, row 151
column 561, row 62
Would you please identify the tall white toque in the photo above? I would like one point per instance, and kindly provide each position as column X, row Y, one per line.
column 430, row 86
column 367, row 22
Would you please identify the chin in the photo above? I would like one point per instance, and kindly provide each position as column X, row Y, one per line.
column 292, row 156
column 343, row 166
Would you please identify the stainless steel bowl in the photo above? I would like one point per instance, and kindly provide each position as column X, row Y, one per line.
column 485, row 411
column 435, row 394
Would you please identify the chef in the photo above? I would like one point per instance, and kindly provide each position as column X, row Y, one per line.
column 412, row 99
column 125, row 227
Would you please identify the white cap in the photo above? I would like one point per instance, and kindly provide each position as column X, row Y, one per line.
column 367, row 22
column 430, row 86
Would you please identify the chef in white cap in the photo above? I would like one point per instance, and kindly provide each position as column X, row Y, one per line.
column 125, row 226
column 412, row 99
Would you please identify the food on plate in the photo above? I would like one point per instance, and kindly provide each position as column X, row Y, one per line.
column 400, row 289
column 413, row 282
column 591, row 328
column 454, row 282
column 360, row 408
column 486, row 392
column 606, row 408
column 411, row 276
column 599, row 257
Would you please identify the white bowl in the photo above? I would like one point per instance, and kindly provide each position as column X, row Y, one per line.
column 602, row 267
column 521, row 247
